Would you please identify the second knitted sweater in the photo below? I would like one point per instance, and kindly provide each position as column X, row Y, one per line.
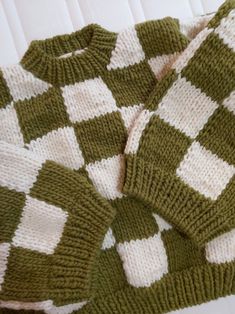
column 145, row 265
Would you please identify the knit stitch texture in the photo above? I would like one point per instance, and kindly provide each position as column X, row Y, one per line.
column 72, row 241
column 181, row 149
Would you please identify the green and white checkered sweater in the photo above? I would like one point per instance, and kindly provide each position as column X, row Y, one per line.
column 70, row 240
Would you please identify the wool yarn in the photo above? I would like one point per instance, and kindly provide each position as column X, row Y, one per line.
column 181, row 149
column 76, row 243
column 64, row 123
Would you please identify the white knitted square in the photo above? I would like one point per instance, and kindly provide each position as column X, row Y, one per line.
column 19, row 167
column 4, row 253
column 161, row 64
column 229, row 102
column 226, row 30
column 109, row 240
column 107, row 176
column 89, row 99
column 221, row 249
column 61, row 146
column 127, row 51
column 162, row 223
column 129, row 115
column 22, row 84
column 144, row 261
column 204, row 171
column 66, row 309
column 41, row 226
column 186, row 108
column 10, row 128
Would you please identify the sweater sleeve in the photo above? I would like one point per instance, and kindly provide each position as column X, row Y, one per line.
column 161, row 37
column 162, row 42
column 52, row 226
column 180, row 153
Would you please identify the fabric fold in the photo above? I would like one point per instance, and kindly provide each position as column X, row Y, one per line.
column 75, row 242
column 60, row 221
column 180, row 152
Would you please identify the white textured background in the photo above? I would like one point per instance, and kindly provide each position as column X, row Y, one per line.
column 24, row 20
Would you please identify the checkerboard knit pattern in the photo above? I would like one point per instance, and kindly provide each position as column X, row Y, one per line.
column 71, row 111
column 53, row 223
column 181, row 149
column 78, row 113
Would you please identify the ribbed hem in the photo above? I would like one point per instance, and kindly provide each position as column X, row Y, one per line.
column 176, row 291
column 179, row 204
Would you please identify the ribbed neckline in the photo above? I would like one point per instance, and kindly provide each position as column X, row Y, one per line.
column 43, row 56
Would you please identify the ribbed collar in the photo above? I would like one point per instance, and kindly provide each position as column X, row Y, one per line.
column 43, row 57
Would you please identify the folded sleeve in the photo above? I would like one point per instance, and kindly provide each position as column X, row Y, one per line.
column 52, row 226
column 180, row 152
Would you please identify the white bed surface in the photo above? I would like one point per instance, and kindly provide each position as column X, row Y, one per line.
column 21, row 21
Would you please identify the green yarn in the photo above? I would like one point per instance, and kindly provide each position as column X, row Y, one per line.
column 156, row 37
column 131, row 85
column 38, row 116
column 5, row 96
column 218, row 139
column 115, row 252
column 187, row 288
column 101, row 137
column 64, row 71
column 11, row 204
column 183, row 153
column 214, row 76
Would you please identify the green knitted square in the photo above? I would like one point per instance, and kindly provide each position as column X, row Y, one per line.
column 101, row 137
column 42, row 114
column 5, row 96
column 131, row 85
column 132, row 220
column 218, row 135
column 26, row 269
column 161, row 37
column 163, row 146
column 214, row 76
column 11, row 205
column 181, row 252
column 110, row 273
column 52, row 186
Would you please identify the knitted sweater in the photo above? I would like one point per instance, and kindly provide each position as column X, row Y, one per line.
column 81, row 118
column 180, row 152
column 182, row 144
column 74, row 110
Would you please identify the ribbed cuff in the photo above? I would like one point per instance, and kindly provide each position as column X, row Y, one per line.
column 53, row 224
column 180, row 205
column 89, row 217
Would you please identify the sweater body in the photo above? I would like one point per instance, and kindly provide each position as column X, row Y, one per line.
column 77, row 110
